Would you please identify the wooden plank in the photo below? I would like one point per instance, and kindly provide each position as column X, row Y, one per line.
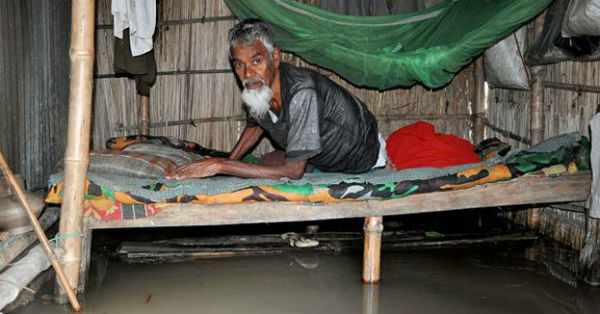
column 569, row 188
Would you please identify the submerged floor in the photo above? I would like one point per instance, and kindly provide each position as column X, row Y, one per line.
column 434, row 281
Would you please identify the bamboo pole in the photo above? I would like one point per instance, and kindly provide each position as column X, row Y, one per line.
column 372, row 251
column 39, row 232
column 384, row 118
column 478, row 102
column 167, row 73
column 537, row 108
column 201, row 20
column 572, row 87
column 506, row 133
column 81, row 55
column 536, row 124
column 144, row 114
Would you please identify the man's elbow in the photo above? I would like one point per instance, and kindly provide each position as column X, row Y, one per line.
column 296, row 176
column 296, row 172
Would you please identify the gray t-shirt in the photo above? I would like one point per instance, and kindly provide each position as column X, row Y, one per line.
column 321, row 122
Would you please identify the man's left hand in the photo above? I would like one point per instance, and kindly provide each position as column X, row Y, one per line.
column 197, row 169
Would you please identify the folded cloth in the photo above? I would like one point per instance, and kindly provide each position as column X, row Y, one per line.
column 417, row 145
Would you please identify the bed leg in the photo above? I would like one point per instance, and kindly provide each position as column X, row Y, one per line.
column 372, row 252
column 533, row 219
column 86, row 251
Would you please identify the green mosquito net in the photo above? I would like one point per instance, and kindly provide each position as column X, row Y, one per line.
column 384, row 52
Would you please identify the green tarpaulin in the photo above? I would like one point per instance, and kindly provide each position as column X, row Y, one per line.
column 383, row 52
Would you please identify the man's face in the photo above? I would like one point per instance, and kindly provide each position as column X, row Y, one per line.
column 253, row 65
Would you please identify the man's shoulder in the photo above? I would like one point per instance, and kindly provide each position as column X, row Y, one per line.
column 299, row 78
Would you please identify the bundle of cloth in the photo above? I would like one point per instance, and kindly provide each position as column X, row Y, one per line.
column 417, row 145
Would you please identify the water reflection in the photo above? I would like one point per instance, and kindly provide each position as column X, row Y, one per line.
column 370, row 299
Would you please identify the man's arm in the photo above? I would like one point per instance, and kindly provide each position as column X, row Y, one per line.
column 212, row 166
column 249, row 137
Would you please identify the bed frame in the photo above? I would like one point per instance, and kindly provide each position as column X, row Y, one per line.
column 520, row 191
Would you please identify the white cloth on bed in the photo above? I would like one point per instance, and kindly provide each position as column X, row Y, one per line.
column 140, row 17
column 595, row 163
column 382, row 157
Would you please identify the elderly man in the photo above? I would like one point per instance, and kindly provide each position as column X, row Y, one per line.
column 315, row 121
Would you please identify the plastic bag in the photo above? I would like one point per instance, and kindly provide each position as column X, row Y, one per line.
column 551, row 47
column 504, row 63
column 582, row 19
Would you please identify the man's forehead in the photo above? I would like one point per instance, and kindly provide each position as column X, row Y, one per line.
column 248, row 50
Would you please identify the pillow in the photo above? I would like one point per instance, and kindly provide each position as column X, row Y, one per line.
column 134, row 164
column 177, row 156
column 138, row 160
column 126, row 141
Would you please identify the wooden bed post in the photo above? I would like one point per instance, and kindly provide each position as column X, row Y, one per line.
column 478, row 101
column 81, row 55
column 372, row 252
column 536, row 123
column 144, row 115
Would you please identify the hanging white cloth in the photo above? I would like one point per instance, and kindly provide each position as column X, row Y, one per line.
column 140, row 17
column 595, row 163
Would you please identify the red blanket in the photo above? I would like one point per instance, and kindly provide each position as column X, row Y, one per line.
column 417, row 145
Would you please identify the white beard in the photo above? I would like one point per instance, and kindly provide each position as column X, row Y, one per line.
column 257, row 100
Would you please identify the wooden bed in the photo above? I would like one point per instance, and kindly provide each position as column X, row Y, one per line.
column 76, row 257
column 520, row 191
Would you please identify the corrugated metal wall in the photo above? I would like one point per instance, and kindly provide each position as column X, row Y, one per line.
column 34, row 70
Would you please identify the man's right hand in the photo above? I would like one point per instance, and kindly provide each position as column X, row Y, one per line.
column 197, row 169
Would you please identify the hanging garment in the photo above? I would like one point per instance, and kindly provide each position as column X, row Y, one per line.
column 383, row 52
column 417, row 145
column 142, row 68
column 139, row 16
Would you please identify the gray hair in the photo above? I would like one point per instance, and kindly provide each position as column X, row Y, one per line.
column 250, row 30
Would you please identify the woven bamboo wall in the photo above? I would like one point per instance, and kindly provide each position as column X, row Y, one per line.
column 200, row 47
column 565, row 111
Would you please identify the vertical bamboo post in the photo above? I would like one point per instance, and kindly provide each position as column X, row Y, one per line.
column 81, row 55
column 537, row 107
column 372, row 251
column 144, row 109
column 536, row 124
column 478, row 101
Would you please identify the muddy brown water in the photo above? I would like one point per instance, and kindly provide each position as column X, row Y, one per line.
column 436, row 281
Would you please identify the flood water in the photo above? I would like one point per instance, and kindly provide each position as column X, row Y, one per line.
column 425, row 281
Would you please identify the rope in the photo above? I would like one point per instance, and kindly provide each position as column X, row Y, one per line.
column 59, row 236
